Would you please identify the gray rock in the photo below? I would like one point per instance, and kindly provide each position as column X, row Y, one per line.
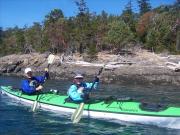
column 127, row 74
column 18, row 69
column 4, row 68
column 11, row 68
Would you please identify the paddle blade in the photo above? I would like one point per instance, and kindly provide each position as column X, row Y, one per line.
column 34, row 106
column 75, row 113
column 78, row 113
column 51, row 58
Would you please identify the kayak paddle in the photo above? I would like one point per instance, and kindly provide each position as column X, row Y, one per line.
column 50, row 61
column 79, row 111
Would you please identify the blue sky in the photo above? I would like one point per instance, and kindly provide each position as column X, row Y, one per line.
column 25, row 12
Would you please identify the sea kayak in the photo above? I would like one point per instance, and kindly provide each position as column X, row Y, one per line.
column 118, row 110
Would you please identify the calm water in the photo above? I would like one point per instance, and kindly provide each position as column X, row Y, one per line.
column 17, row 119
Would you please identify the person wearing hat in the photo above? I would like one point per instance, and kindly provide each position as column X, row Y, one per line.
column 79, row 89
column 32, row 84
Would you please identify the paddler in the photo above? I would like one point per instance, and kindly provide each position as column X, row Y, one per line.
column 33, row 84
column 79, row 90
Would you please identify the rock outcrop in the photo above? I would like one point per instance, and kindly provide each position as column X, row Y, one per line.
column 130, row 70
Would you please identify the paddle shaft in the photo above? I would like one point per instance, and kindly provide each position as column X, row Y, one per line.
column 50, row 61
column 99, row 73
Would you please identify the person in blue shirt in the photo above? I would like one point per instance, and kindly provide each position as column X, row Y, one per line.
column 33, row 84
column 79, row 90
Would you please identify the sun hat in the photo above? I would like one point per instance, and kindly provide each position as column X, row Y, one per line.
column 27, row 70
column 78, row 76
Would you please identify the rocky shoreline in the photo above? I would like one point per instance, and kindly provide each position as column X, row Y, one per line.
column 143, row 68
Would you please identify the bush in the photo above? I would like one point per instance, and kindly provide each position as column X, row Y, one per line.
column 160, row 35
column 119, row 34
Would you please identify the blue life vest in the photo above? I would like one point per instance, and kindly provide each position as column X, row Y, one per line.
column 75, row 95
column 29, row 86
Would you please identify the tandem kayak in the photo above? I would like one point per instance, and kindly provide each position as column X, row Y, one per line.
column 118, row 110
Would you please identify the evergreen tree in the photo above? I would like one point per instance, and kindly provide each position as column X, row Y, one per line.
column 34, row 37
column 82, row 7
column 1, row 35
column 53, row 16
column 20, row 40
column 55, row 25
column 128, row 16
column 102, row 28
column 144, row 6
column 1, row 41
column 128, row 11
column 83, row 25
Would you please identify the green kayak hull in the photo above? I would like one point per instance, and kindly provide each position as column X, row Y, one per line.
column 117, row 110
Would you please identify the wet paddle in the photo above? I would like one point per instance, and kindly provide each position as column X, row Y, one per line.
column 50, row 61
column 79, row 111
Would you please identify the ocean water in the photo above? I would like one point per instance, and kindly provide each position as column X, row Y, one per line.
column 18, row 119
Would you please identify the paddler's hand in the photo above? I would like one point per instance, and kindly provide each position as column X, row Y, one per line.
column 40, row 87
column 80, row 90
column 46, row 70
column 96, row 79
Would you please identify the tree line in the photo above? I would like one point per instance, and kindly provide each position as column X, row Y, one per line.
column 87, row 32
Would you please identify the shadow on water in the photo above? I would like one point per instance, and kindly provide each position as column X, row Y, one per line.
column 17, row 119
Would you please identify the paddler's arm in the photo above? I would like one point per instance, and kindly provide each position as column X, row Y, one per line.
column 95, row 84
column 42, row 79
